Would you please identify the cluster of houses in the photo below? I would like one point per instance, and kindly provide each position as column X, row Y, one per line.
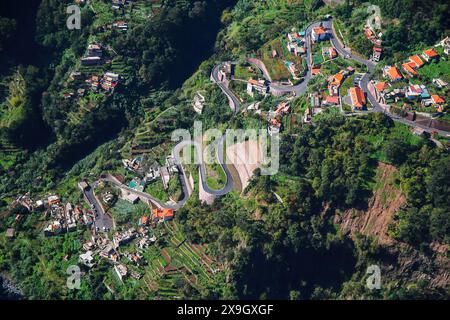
column 412, row 92
column 28, row 204
column 356, row 94
column 110, row 249
column 274, row 118
column 411, row 66
column 149, row 174
column 296, row 43
column 64, row 218
column 108, row 82
column 375, row 38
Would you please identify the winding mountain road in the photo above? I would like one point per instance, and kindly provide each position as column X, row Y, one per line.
column 235, row 105
column 233, row 100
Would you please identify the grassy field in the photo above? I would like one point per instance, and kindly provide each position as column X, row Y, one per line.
column 400, row 131
column 433, row 70
column 245, row 71
column 156, row 189
column 216, row 178
column 276, row 66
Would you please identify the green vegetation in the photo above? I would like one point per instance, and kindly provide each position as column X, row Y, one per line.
column 403, row 30
column 156, row 189
column 275, row 240
column 328, row 163
column 434, row 70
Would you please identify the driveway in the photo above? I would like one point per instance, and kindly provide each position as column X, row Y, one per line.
column 103, row 219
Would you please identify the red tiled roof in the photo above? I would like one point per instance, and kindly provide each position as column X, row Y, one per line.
column 337, row 78
column 162, row 213
column 437, row 99
column 394, row 74
column 416, row 60
column 380, row 86
column 334, row 100
column 409, row 69
column 319, row 30
column 315, row 71
column 144, row 220
column 357, row 96
column 430, row 53
column 368, row 33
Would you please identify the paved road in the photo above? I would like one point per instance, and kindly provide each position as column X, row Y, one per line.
column 235, row 106
column 145, row 196
column 365, row 80
column 220, row 158
column 183, row 178
column 234, row 101
column 103, row 219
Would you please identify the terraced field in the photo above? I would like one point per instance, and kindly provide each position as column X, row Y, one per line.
column 179, row 262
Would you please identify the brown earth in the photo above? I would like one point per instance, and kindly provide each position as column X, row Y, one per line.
column 386, row 200
column 246, row 157
column 402, row 263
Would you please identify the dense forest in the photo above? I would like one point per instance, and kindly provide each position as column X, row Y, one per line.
column 168, row 60
column 293, row 250
column 405, row 24
column 269, row 249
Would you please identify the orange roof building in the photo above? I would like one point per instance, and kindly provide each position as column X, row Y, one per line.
column 315, row 71
column 358, row 97
column 143, row 221
column 162, row 214
column 368, row 33
column 437, row 99
column 409, row 69
column 430, row 54
column 319, row 30
column 332, row 100
column 416, row 60
column 337, row 79
column 381, row 86
column 319, row 33
column 393, row 73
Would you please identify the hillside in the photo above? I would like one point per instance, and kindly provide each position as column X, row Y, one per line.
column 93, row 166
